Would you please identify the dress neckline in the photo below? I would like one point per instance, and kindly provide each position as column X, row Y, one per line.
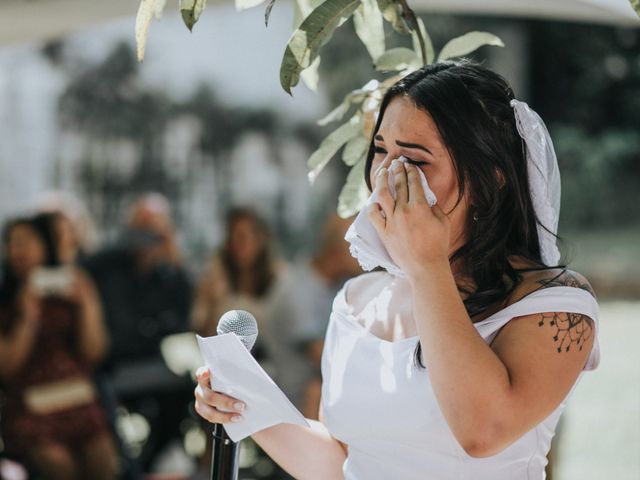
column 350, row 318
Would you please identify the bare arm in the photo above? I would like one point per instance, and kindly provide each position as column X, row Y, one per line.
column 305, row 453
column 16, row 347
column 490, row 395
column 92, row 335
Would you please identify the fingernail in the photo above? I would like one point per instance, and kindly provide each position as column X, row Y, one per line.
column 236, row 418
column 238, row 406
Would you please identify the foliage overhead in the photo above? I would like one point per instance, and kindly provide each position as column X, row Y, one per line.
column 191, row 11
column 315, row 22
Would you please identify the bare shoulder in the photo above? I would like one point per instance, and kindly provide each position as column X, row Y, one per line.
column 540, row 280
column 560, row 331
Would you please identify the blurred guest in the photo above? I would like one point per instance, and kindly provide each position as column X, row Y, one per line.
column 51, row 337
column 145, row 290
column 240, row 276
column 146, row 296
column 300, row 314
column 75, row 228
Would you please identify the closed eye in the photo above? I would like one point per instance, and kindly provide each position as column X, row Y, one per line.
column 417, row 163
column 379, row 150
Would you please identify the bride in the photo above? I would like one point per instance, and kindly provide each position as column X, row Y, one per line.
column 456, row 360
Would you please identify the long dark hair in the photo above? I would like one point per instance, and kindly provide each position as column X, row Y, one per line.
column 44, row 227
column 264, row 266
column 470, row 106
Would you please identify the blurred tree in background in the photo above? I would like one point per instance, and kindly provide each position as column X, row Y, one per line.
column 586, row 85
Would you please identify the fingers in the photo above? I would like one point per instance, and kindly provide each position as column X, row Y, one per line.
column 376, row 218
column 438, row 212
column 214, row 406
column 385, row 199
column 415, row 188
column 398, row 168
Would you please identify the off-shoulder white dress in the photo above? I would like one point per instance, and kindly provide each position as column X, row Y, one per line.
column 382, row 406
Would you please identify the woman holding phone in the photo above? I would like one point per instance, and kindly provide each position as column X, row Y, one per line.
column 51, row 337
column 458, row 360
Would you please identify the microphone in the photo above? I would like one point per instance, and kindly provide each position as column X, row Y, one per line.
column 224, row 457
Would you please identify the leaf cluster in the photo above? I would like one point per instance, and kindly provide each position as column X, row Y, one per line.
column 315, row 22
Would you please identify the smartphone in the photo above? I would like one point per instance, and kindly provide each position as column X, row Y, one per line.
column 54, row 281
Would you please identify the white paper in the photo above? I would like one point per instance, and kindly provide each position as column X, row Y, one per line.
column 236, row 373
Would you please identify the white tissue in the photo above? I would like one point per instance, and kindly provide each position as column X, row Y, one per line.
column 365, row 244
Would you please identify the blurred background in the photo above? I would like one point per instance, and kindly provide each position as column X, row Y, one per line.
column 149, row 163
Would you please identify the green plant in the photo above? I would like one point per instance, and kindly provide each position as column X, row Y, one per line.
column 315, row 21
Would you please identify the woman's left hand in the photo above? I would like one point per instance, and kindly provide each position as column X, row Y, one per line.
column 414, row 233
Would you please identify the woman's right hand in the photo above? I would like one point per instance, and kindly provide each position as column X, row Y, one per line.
column 213, row 406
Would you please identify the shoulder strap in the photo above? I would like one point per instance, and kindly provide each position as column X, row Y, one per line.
column 552, row 299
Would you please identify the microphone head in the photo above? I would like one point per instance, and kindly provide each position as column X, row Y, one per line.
column 242, row 323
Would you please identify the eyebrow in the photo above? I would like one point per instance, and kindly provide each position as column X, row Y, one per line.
column 406, row 145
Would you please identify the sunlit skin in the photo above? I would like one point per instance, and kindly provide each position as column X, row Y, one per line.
column 404, row 124
column 489, row 394
column 25, row 251
column 245, row 243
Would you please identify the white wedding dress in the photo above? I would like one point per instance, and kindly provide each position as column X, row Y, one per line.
column 375, row 400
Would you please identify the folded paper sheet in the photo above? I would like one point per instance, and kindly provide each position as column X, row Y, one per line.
column 365, row 244
column 236, row 373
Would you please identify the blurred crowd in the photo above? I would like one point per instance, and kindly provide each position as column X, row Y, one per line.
column 86, row 386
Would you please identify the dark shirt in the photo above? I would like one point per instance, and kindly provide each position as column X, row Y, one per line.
column 140, row 308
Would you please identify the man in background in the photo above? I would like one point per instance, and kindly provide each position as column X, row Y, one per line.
column 146, row 295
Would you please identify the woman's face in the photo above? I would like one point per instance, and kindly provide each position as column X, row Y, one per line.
column 25, row 250
column 407, row 131
column 245, row 242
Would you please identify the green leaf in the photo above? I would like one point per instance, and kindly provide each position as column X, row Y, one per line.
column 398, row 59
column 636, row 6
column 147, row 10
column 246, row 4
column 355, row 150
column 354, row 194
column 305, row 42
column 311, row 76
column 427, row 42
column 369, row 26
column 267, row 12
column 331, row 144
column 389, row 9
column 191, row 11
column 337, row 113
column 302, row 9
column 355, row 96
column 468, row 43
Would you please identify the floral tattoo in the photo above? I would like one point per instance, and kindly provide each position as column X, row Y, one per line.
column 570, row 328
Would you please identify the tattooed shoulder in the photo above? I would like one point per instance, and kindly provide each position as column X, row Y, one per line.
column 568, row 329
column 567, row 278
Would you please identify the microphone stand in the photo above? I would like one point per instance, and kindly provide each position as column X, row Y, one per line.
column 224, row 462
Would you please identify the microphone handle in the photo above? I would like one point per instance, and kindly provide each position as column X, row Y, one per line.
column 224, row 456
